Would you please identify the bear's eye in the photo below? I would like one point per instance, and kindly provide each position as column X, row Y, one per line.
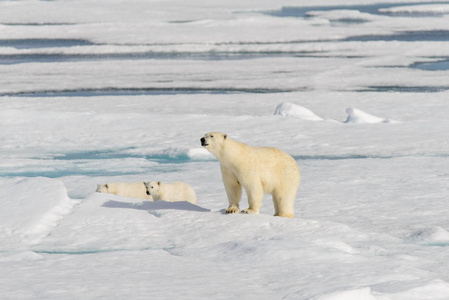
column 212, row 136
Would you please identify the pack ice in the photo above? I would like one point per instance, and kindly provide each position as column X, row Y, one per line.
column 122, row 91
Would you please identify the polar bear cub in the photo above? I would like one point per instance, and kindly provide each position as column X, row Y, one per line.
column 125, row 189
column 176, row 191
column 260, row 170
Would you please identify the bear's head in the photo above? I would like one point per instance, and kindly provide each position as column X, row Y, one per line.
column 213, row 141
column 152, row 187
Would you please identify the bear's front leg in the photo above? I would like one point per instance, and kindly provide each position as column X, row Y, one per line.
column 233, row 190
column 255, row 195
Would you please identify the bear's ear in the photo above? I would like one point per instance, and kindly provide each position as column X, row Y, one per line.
column 158, row 183
column 225, row 136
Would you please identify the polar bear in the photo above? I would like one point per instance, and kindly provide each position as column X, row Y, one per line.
column 176, row 191
column 260, row 170
column 125, row 189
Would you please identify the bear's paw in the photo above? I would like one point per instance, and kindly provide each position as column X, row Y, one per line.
column 232, row 209
column 249, row 211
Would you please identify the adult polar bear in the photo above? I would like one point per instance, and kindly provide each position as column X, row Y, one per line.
column 260, row 170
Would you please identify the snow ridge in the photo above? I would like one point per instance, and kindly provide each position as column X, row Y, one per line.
column 42, row 204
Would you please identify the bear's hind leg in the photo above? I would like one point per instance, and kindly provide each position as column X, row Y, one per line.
column 285, row 205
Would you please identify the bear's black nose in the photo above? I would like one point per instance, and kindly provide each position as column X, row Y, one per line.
column 203, row 141
column 148, row 193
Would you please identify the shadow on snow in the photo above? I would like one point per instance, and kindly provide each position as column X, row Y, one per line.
column 156, row 205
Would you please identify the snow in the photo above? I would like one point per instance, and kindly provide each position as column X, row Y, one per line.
column 108, row 91
column 359, row 294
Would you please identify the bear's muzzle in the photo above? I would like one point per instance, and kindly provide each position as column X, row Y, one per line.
column 203, row 142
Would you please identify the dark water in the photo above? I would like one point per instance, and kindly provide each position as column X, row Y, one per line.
column 405, row 36
column 405, row 89
column 43, row 43
column 301, row 12
column 440, row 65
column 59, row 57
column 141, row 91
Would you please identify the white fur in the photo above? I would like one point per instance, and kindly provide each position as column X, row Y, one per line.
column 125, row 189
column 260, row 170
column 176, row 191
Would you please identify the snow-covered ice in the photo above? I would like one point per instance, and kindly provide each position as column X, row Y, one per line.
column 113, row 91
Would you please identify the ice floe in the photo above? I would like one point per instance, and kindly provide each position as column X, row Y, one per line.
column 345, row 16
column 413, row 9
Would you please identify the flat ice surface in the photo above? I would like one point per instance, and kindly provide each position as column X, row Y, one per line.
column 112, row 91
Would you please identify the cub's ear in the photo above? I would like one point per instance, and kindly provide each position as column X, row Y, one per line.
column 225, row 136
column 158, row 183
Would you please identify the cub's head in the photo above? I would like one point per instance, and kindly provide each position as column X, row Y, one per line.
column 152, row 187
column 102, row 188
column 213, row 141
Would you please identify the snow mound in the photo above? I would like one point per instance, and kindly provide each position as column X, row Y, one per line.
column 356, row 116
column 181, row 154
column 287, row 109
column 31, row 207
column 434, row 234
column 358, row 294
column 199, row 154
